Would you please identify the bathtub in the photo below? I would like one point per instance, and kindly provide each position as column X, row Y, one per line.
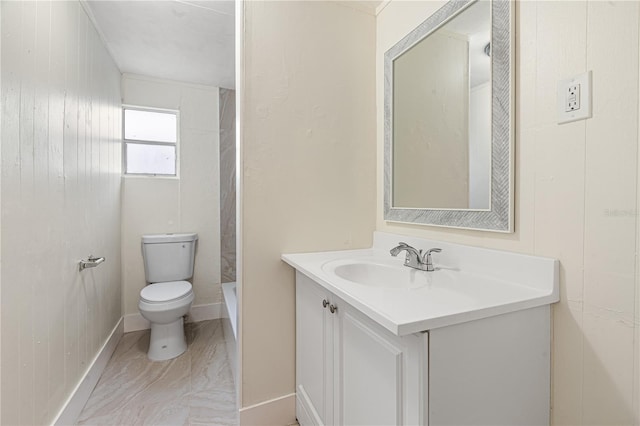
column 230, row 326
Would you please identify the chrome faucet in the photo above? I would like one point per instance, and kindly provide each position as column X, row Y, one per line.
column 415, row 258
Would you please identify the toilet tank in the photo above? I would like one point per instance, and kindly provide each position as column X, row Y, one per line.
column 168, row 257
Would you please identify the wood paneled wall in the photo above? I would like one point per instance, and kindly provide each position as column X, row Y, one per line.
column 61, row 163
column 576, row 192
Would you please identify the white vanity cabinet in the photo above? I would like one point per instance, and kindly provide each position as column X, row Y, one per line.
column 351, row 371
column 379, row 343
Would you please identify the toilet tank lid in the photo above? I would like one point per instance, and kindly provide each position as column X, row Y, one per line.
column 169, row 238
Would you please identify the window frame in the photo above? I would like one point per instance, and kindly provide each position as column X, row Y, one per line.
column 126, row 141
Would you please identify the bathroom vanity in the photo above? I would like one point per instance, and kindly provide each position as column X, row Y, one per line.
column 378, row 343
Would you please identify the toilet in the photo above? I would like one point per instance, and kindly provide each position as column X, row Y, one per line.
column 167, row 298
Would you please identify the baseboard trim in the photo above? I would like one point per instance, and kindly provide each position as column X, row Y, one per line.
column 72, row 408
column 209, row 311
column 135, row 322
column 277, row 412
column 205, row 312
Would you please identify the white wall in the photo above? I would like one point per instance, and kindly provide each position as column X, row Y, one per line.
column 576, row 192
column 60, row 203
column 307, row 166
column 189, row 203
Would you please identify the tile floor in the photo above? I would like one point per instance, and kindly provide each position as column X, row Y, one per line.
column 193, row 389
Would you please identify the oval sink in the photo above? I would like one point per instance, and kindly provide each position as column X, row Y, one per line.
column 378, row 274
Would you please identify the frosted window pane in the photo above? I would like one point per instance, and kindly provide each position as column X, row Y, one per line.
column 151, row 159
column 150, row 126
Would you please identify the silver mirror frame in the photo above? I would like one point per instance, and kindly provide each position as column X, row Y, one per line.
column 499, row 218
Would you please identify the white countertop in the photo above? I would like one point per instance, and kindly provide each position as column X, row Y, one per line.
column 470, row 283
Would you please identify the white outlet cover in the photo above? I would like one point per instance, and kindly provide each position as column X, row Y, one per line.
column 585, row 110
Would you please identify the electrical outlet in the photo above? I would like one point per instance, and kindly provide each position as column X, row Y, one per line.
column 574, row 98
column 572, row 101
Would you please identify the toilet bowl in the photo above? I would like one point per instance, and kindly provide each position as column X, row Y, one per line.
column 164, row 305
column 168, row 262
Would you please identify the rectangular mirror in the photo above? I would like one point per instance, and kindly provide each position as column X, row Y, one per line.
column 448, row 119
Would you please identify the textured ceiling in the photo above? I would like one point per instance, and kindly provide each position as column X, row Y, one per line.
column 189, row 41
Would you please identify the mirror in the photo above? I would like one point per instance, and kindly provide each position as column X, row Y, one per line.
column 448, row 119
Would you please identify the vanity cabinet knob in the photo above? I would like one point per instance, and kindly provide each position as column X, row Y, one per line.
column 325, row 302
column 333, row 309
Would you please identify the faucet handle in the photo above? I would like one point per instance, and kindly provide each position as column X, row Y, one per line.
column 426, row 260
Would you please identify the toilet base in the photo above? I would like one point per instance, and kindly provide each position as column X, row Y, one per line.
column 167, row 340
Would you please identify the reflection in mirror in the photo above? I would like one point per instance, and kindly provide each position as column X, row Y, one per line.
column 448, row 119
column 442, row 116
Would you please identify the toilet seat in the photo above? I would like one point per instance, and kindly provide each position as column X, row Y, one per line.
column 166, row 292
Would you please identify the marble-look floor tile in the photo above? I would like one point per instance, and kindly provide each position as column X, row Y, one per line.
column 213, row 407
column 210, row 367
column 194, row 388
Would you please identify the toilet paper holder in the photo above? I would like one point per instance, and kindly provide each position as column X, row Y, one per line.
column 91, row 262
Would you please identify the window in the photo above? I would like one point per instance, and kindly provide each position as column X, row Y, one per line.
column 150, row 141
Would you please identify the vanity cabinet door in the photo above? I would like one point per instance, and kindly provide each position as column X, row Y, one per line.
column 379, row 378
column 350, row 370
column 370, row 377
column 314, row 354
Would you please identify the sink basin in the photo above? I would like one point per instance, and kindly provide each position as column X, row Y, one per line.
column 378, row 273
